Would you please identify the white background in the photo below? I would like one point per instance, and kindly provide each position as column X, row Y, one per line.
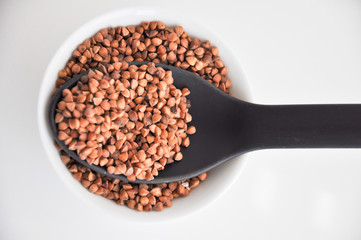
column 292, row 52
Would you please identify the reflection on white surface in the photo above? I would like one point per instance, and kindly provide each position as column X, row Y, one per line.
column 323, row 209
column 146, row 12
column 266, row 185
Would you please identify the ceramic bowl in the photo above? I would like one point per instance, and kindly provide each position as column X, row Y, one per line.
column 219, row 180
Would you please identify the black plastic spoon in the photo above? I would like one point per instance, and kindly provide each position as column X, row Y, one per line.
column 228, row 127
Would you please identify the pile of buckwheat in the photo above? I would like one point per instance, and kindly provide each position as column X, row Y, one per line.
column 109, row 50
column 130, row 119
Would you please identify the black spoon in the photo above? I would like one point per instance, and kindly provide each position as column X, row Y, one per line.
column 228, row 127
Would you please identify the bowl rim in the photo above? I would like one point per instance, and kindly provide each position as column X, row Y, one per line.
column 44, row 95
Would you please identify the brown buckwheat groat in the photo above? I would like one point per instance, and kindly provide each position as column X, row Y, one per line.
column 130, row 119
column 142, row 197
column 152, row 42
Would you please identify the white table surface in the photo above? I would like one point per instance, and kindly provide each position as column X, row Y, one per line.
column 292, row 52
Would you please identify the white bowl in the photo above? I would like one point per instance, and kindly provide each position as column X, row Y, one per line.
column 219, row 179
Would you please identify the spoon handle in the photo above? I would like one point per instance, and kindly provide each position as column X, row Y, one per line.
column 305, row 126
